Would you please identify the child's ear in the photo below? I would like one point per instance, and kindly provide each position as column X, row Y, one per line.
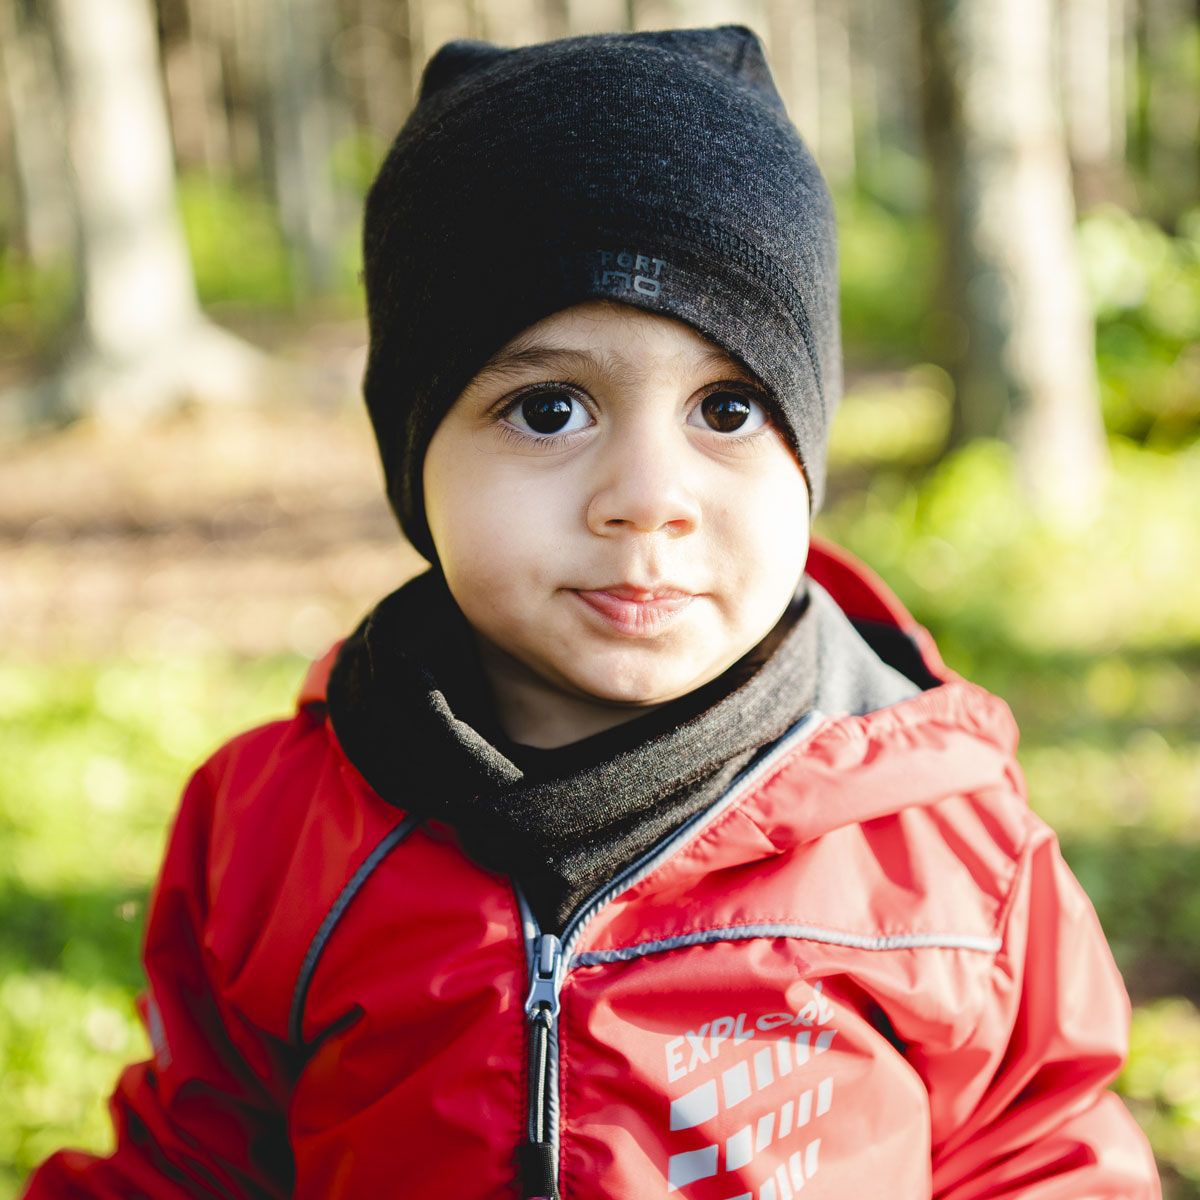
column 455, row 59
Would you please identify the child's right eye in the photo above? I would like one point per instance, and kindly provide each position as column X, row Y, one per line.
column 543, row 414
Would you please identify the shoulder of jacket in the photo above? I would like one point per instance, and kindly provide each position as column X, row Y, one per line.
column 288, row 822
column 922, row 805
column 256, row 766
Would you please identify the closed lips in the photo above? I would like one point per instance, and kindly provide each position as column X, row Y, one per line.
column 639, row 595
column 636, row 611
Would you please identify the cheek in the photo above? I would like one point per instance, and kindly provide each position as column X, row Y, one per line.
column 489, row 531
column 765, row 532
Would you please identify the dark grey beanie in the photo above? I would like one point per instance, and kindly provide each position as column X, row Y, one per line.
column 657, row 169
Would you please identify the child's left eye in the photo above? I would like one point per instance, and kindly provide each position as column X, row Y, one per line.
column 544, row 414
column 729, row 412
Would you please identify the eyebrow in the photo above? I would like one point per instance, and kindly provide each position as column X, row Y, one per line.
column 524, row 356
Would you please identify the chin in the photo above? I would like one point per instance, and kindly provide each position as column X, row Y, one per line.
column 637, row 686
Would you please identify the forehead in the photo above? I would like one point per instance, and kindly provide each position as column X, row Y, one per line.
column 613, row 339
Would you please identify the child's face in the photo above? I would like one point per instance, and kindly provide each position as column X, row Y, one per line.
column 615, row 515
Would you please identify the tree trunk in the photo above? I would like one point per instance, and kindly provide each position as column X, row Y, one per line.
column 142, row 344
column 1087, row 74
column 1026, row 369
column 45, row 227
column 137, row 278
column 593, row 16
column 557, row 18
column 792, row 42
column 441, row 21
column 1117, row 74
column 506, row 22
column 304, row 128
column 243, row 49
column 195, row 92
column 835, row 81
column 864, row 41
column 387, row 80
column 1141, row 141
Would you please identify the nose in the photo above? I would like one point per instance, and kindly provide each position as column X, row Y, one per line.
column 643, row 487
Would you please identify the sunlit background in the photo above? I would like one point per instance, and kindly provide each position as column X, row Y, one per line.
column 190, row 505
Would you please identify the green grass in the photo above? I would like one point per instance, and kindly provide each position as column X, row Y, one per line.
column 92, row 759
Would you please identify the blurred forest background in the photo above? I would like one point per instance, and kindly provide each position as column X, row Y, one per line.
column 190, row 504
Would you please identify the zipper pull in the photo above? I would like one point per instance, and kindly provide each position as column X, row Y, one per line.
column 536, row 1156
column 543, row 982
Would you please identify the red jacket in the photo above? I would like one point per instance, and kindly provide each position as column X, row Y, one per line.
column 865, row 972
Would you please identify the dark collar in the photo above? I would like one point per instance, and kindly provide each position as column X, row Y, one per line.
column 410, row 706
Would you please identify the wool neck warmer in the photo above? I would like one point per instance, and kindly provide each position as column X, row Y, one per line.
column 411, row 708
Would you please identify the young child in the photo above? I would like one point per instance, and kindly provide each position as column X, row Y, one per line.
column 639, row 848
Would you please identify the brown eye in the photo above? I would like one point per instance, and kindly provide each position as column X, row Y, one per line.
column 546, row 413
column 730, row 412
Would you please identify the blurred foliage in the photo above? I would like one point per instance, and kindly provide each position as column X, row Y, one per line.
column 1144, row 285
column 1163, row 167
column 895, row 418
column 240, row 256
column 356, row 159
column 237, row 246
column 967, row 553
column 34, row 305
column 888, row 266
column 1162, row 1085
column 1145, row 289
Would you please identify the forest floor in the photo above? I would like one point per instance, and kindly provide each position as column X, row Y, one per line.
column 256, row 529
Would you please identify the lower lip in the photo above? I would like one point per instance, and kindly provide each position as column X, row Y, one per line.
column 636, row 618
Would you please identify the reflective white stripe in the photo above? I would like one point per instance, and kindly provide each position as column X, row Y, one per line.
column 824, row 1096
column 766, row 1131
column 796, row 1170
column 810, row 1158
column 825, row 1040
column 683, row 1169
column 785, row 1118
column 736, row 1084
column 804, row 933
column 802, row 1040
column 805, row 1112
column 764, row 1076
column 783, row 1056
column 695, row 1107
column 738, row 1149
column 781, row 1178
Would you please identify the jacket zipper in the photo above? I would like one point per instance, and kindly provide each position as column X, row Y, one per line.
column 539, row 1171
column 549, row 957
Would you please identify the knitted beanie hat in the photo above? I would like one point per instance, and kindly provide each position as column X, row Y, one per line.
column 658, row 169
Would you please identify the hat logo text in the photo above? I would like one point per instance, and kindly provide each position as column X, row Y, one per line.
column 626, row 270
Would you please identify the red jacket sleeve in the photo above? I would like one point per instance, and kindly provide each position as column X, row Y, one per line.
column 1032, row 1117
column 204, row 1117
